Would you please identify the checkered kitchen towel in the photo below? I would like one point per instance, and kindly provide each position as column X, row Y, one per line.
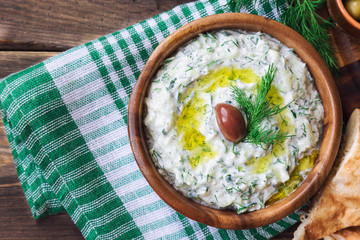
column 66, row 123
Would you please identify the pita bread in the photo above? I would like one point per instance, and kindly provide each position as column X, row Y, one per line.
column 337, row 205
column 351, row 233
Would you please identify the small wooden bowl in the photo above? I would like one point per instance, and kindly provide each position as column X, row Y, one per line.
column 331, row 133
column 342, row 18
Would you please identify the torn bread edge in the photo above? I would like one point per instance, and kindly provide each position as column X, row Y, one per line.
column 337, row 205
column 351, row 233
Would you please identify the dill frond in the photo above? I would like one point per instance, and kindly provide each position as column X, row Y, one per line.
column 257, row 108
column 302, row 17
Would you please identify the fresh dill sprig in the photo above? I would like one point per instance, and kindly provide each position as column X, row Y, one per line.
column 257, row 108
column 302, row 17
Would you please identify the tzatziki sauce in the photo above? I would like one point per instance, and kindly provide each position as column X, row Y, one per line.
column 184, row 139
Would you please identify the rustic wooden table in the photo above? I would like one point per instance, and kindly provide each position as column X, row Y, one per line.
column 31, row 31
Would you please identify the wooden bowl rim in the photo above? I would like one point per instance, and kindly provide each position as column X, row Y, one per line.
column 347, row 15
column 332, row 122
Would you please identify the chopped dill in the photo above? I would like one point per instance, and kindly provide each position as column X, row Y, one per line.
column 214, row 62
column 156, row 155
column 171, row 85
column 260, row 202
column 279, row 161
column 169, row 60
column 210, row 49
column 235, row 42
column 304, row 130
column 233, row 150
column 209, row 35
column 241, row 208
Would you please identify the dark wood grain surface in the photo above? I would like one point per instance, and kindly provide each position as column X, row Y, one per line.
column 31, row 31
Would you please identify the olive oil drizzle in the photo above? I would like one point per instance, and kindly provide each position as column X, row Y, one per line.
column 188, row 125
column 259, row 165
column 193, row 112
column 305, row 164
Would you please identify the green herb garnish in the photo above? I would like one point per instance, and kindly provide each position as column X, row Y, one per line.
column 156, row 155
column 257, row 108
column 241, row 208
column 301, row 16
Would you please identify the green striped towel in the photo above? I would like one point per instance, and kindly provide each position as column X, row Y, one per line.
column 66, row 123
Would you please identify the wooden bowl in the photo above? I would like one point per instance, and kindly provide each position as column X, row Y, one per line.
column 331, row 133
column 342, row 18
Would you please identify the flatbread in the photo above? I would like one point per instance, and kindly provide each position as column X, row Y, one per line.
column 351, row 233
column 337, row 205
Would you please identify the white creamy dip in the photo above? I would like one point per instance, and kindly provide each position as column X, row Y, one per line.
column 185, row 141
